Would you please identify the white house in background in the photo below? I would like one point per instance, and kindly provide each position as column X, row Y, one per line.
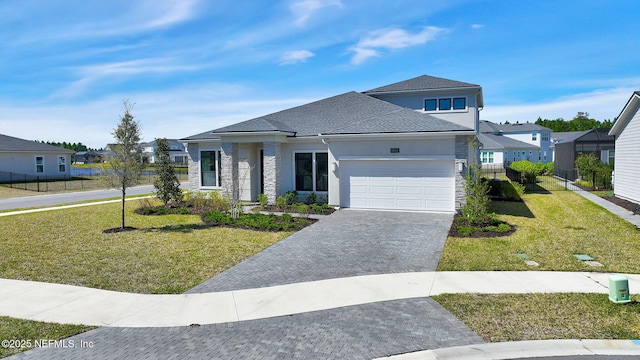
column 499, row 150
column 400, row 146
column 506, row 143
column 177, row 151
column 28, row 160
column 626, row 130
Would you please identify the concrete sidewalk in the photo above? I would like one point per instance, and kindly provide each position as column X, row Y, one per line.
column 79, row 305
column 611, row 207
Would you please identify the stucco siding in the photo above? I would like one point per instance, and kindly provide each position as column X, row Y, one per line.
column 627, row 165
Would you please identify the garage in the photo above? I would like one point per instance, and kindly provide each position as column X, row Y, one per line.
column 394, row 184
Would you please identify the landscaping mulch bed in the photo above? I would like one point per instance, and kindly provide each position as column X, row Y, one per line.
column 458, row 220
column 631, row 206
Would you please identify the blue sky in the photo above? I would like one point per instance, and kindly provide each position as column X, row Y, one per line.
column 195, row 65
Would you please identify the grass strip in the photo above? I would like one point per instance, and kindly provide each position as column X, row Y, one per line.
column 518, row 317
column 17, row 334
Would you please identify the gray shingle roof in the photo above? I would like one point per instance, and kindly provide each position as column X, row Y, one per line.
column 489, row 127
column 349, row 113
column 424, row 82
column 10, row 143
column 499, row 142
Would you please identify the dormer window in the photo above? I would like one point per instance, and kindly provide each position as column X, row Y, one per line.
column 445, row 104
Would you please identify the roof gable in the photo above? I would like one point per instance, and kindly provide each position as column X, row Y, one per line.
column 626, row 114
column 10, row 143
column 424, row 82
column 498, row 142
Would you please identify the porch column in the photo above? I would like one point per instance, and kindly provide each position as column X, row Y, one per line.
column 272, row 163
column 461, row 170
column 229, row 171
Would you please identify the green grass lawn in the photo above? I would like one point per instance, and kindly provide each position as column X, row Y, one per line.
column 28, row 332
column 551, row 228
column 167, row 254
column 518, row 317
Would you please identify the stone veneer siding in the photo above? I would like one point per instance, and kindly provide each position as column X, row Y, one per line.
column 271, row 166
column 462, row 154
column 229, row 171
column 194, row 167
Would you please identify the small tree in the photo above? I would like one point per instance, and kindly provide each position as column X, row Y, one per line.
column 166, row 181
column 125, row 166
column 476, row 209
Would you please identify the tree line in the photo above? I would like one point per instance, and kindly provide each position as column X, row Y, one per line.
column 580, row 122
column 71, row 146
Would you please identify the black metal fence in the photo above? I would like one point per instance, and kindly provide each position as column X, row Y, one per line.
column 90, row 179
column 542, row 183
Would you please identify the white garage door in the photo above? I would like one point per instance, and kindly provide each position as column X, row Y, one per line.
column 402, row 184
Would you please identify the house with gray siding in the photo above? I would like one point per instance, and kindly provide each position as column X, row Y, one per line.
column 404, row 146
column 626, row 131
column 23, row 159
column 567, row 146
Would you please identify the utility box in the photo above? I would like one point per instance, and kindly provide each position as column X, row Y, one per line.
column 619, row 289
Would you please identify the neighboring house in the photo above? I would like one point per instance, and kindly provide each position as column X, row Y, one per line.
column 177, row 152
column 569, row 145
column 23, row 159
column 400, row 146
column 496, row 149
column 626, row 131
column 506, row 143
column 86, row 157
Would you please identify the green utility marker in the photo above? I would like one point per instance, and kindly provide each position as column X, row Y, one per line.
column 583, row 257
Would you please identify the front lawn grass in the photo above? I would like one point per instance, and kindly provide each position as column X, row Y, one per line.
column 518, row 317
column 166, row 254
column 27, row 332
column 551, row 227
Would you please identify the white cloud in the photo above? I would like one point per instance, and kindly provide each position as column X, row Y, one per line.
column 119, row 70
column 391, row 39
column 477, row 26
column 302, row 10
column 174, row 113
column 295, row 56
column 600, row 104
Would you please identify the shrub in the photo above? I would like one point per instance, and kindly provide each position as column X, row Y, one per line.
column 269, row 222
column 263, row 199
column 529, row 170
column 311, row 198
column 464, row 230
column 291, row 197
column 281, row 202
column 476, row 209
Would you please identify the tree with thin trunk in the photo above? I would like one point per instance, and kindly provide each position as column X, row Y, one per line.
column 166, row 181
column 124, row 168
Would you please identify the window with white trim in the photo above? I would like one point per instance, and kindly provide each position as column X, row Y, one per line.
column 39, row 164
column 445, row 104
column 487, row 157
column 62, row 164
column 534, row 136
column 210, row 165
column 311, row 171
column 544, row 136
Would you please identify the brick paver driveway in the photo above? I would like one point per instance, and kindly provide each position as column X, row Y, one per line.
column 347, row 243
